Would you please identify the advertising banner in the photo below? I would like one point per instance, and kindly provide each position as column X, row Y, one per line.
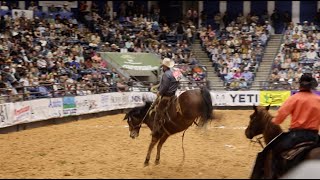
column 273, row 98
column 88, row 104
column 40, row 109
column 69, row 106
column 235, row 98
column 55, row 107
column 21, row 112
column 6, row 118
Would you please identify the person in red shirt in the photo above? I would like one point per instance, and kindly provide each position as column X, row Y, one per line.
column 304, row 108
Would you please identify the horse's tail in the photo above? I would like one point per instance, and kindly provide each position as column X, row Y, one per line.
column 207, row 109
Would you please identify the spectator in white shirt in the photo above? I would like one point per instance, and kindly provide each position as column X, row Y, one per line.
column 312, row 54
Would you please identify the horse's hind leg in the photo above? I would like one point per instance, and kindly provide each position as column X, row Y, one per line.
column 153, row 142
column 161, row 142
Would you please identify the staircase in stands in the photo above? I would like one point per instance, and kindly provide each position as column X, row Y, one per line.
column 262, row 73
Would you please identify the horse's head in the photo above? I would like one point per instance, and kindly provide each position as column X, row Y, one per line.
column 257, row 121
column 134, row 119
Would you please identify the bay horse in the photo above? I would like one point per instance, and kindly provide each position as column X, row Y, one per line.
column 260, row 123
column 188, row 108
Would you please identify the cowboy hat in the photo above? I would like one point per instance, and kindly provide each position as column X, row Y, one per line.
column 167, row 62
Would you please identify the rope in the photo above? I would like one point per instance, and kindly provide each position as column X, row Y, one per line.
column 184, row 154
column 150, row 108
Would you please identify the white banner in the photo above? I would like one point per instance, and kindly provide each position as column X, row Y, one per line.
column 120, row 100
column 235, row 98
column 6, row 114
column 219, row 98
column 16, row 13
column 71, row 4
column 55, row 107
column 135, row 99
column 22, row 112
column 105, row 101
column 42, row 109
column 88, row 104
column 149, row 96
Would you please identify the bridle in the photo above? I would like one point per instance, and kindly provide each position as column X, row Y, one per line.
column 258, row 139
column 131, row 124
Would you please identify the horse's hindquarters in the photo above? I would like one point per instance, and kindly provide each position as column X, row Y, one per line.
column 190, row 103
column 314, row 154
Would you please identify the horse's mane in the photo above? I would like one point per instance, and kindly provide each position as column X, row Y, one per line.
column 139, row 112
column 265, row 114
column 272, row 129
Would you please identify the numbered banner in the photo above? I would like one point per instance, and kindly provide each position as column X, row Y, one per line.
column 273, row 98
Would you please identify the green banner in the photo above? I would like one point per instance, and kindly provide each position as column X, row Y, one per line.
column 134, row 61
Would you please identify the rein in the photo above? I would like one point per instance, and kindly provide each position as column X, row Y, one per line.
column 150, row 108
column 258, row 140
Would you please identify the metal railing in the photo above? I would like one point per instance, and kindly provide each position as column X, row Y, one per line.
column 54, row 90
column 279, row 85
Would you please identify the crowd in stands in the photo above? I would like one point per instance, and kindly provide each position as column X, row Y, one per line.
column 236, row 50
column 299, row 53
column 51, row 56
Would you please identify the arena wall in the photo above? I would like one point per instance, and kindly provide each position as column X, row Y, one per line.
column 39, row 112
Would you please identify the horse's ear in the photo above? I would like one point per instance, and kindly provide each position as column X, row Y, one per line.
column 254, row 107
column 268, row 107
column 126, row 117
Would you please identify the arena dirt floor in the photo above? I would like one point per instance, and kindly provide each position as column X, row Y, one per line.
column 102, row 148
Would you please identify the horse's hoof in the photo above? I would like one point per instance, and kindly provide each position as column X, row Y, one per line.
column 157, row 162
column 146, row 163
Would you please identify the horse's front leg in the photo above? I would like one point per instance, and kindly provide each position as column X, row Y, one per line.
column 161, row 142
column 153, row 142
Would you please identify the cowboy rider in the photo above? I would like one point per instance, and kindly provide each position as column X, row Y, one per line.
column 304, row 108
column 166, row 90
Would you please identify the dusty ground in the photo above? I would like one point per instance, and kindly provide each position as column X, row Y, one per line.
column 102, row 148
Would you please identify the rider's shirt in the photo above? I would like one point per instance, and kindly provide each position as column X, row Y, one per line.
column 304, row 108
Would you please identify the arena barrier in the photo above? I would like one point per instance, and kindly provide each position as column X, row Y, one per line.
column 54, row 108
column 43, row 109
